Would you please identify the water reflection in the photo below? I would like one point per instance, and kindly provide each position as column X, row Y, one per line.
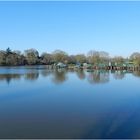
column 136, row 73
column 32, row 76
column 119, row 74
column 46, row 73
column 114, row 127
column 81, row 74
column 97, row 77
column 84, row 112
column 61, row 75
column 9, row 77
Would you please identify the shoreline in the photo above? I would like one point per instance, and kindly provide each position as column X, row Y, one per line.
column 134, row 68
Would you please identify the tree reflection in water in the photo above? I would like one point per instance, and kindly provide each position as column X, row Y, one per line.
column 32, row 76
column 98, row 77
column 9, row 77
column 61, row 75
column 136, row 73
column 81, row 74
column 46, row 73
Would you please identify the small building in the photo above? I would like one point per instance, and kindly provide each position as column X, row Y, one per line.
column 87, row 66
column 128, row 64
column 61, row 65
column 78, row 65
column 101, row 65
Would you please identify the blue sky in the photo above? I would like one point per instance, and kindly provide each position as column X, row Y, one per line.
column 75, row 27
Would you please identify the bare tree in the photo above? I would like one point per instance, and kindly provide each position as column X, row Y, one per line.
column 59, row 56
column 32, row 56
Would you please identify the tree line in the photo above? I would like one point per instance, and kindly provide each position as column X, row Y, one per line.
column 32, row 57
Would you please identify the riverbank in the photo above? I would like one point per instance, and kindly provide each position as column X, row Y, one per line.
column 92, row 67
column 133, row 68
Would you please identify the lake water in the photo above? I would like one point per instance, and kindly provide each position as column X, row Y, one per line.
column 40, row 103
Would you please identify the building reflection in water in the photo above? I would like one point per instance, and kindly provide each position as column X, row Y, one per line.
column 119, row 74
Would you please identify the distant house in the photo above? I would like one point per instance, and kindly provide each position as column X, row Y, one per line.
column 87, row 66
column 113, row 64
column 78, row 65
column 128, row 64
column 101, row 65
column 61, row 65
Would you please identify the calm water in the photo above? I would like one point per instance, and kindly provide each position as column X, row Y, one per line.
column 40, row 103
